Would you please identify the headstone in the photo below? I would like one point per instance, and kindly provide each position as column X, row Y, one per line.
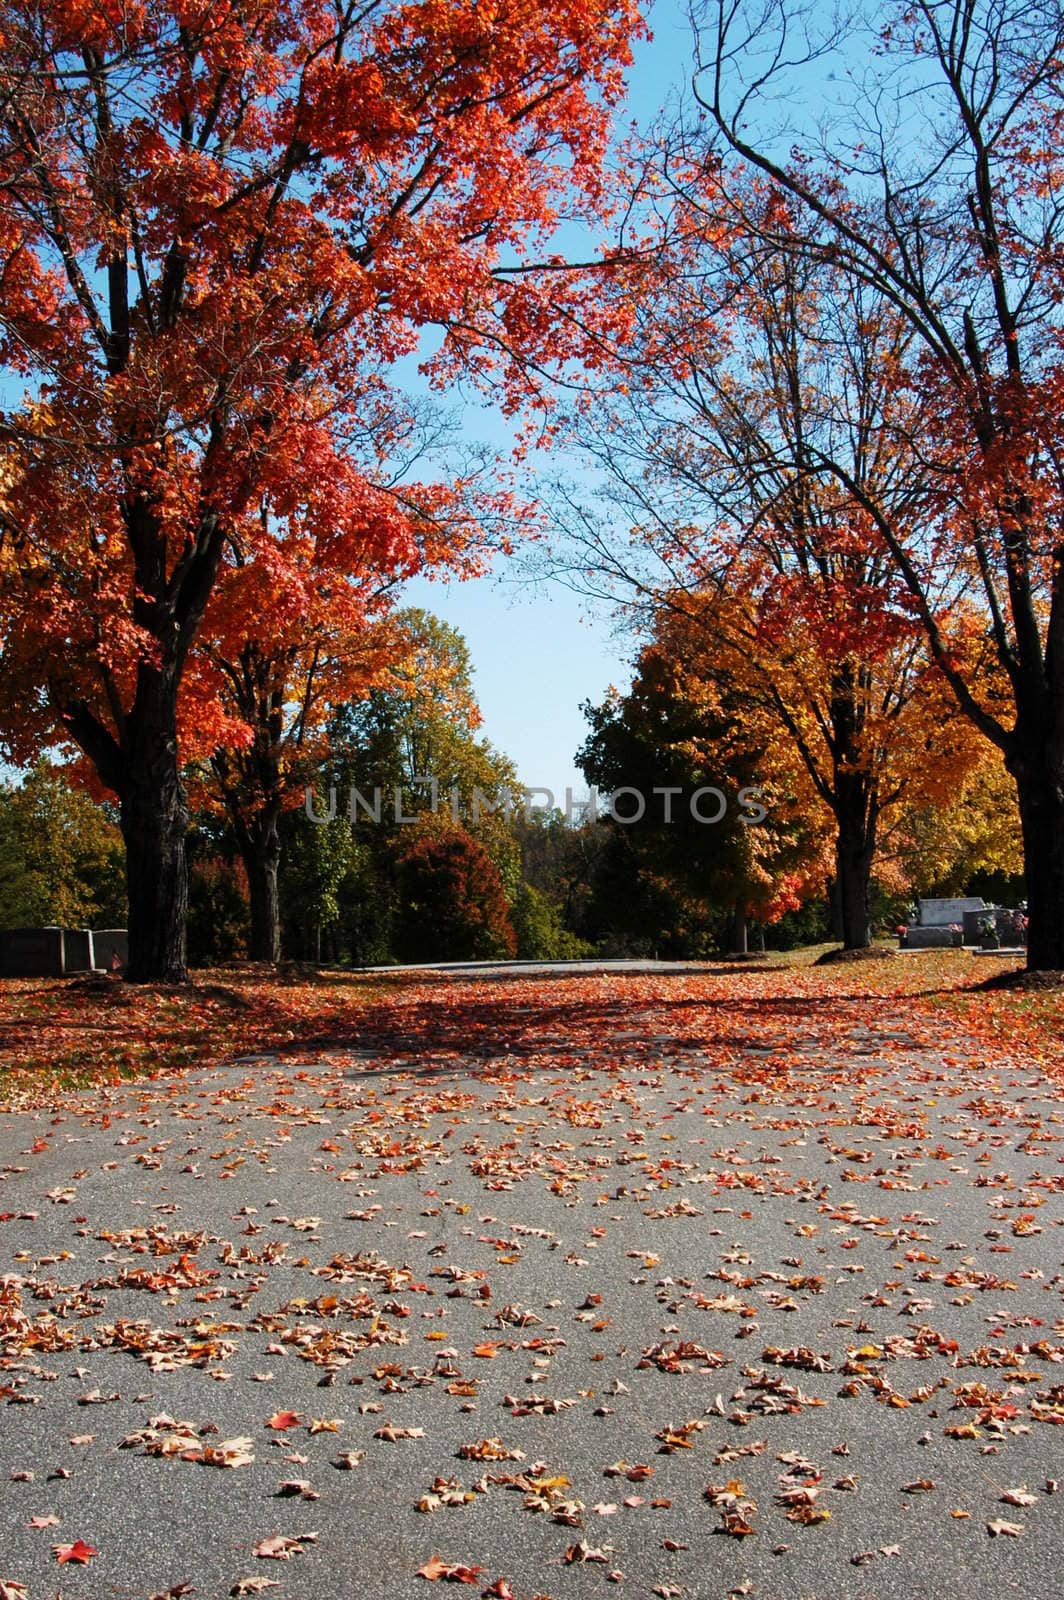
column 921, row 938
column 77, row 950
column 1010, row 926
column 110, row 949
column 941, row 913
column 44, row 952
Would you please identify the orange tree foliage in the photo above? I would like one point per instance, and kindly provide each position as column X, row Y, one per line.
column 220, row 225
column 747, row 373
column 939, row 846
column 284, row 641
column 933, row 183
column 857, row 728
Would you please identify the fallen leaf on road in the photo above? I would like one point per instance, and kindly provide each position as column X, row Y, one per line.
column 390, row 1432
column 79, row 1552
column 297, row 1486
column 283, row 1419
column 436, row 1568
column 280, row 1546
column 582, row 1551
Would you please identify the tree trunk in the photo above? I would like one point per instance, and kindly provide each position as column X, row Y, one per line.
column 854, row 849
column 739, row 940
column 834, row 907
column 261, row 852
column 854, row 873
column 154, row 820
column 1041, row 797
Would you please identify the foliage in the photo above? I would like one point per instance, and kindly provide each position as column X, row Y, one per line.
column 60, row 856
column 217, row 911
column 684, row 724
column 749, row 370
column 540, row 929
column 318, row 858
column 972, row 835
column 452, row 905
column 418, row 722
column 222, row 226
column 416, row 730
column 932, row 187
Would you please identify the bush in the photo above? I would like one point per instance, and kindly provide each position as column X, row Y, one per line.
column 541, row 935
column 452, row 906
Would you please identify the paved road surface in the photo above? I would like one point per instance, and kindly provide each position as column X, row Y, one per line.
column 649, row 1240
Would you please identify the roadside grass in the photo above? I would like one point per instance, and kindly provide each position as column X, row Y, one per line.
column 72, row 1033
column 62, row 1035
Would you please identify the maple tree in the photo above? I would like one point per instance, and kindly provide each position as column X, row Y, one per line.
column 941, row 198
column 972, row 834
column 746, row 373
column 858, row 737
column 276, row 672
column 288, row 640
column 220, row 227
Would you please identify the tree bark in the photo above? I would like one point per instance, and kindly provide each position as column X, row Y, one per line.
column 739, row 935
column 854, row 850
column 261, row 852
column 154, row 821
column 835, row 904
column 1041, row 797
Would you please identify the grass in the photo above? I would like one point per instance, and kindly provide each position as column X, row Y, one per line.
column 67, row 1034
column 70, row 1033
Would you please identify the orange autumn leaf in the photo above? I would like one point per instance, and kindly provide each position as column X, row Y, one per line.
column 284, row 1419
column 436, row 1568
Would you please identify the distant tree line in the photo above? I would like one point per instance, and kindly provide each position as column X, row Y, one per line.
column 467, row 881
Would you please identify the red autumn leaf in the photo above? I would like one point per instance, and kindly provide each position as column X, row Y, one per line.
column 283, row 1419
column 79, row 1552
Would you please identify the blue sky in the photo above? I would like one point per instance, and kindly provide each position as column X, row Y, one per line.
column 538, row 652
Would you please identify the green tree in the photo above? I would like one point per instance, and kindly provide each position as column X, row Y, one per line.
column 676, row 886
column 419, row 726
column 61, row 856
column 317, row 859
column 219, row 913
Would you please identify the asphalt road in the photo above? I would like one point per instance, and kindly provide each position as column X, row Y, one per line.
column 806, row 1259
